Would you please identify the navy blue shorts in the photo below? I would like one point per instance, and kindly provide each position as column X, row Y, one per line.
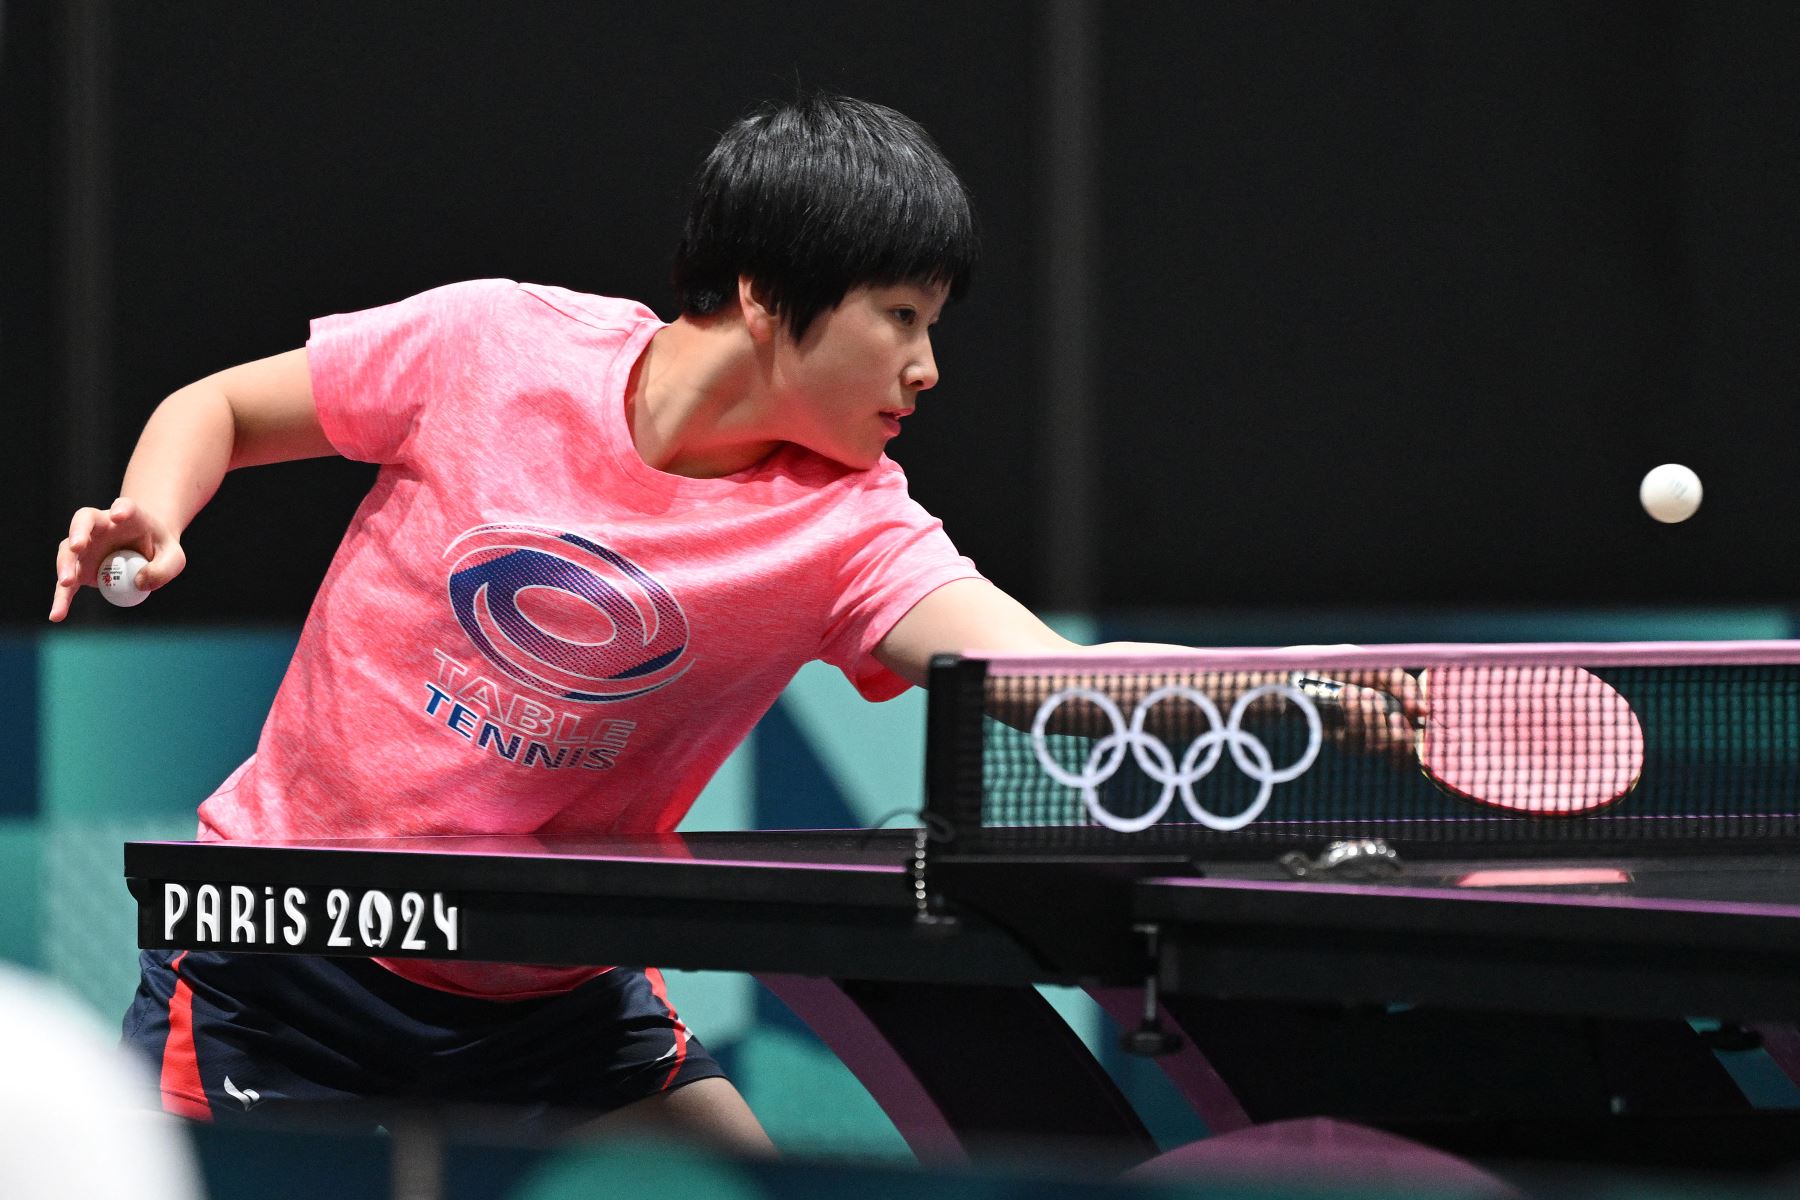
column 267, row 1034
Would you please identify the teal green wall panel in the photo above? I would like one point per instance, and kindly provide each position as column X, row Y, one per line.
column 87, row 924
column 874, row 753
column 728, row 800
column 809, row 1101
column 141, row 723
column 21, row 873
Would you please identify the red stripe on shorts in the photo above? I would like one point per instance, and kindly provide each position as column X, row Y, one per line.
column 182, row 1092
column 681, row 1032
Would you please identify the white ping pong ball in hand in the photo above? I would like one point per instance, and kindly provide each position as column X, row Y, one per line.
column 1670, row 493
column 118, row 578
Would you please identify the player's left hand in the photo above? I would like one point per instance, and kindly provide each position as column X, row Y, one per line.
column 96, row 532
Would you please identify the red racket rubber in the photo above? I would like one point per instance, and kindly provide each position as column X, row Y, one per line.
column 1548, row 741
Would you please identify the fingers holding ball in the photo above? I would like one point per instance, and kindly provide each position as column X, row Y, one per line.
column 118, row 578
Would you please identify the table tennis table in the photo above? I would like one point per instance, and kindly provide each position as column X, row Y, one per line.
column 910, row 991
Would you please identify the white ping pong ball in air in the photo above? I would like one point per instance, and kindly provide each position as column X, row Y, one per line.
column 118, row 578
column 1670, row 493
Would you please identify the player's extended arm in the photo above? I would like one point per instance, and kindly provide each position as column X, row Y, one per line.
column 974, row 615
column 255, row 413
column 969, row 614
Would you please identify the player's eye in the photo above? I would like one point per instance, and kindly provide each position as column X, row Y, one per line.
column 906, row 316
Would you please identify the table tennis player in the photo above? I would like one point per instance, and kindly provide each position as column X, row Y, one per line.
column 597, row 549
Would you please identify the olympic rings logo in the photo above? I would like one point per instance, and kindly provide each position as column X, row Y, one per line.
column 1157, row 761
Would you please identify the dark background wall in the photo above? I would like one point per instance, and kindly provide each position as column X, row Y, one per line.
column 1394, row 302
column 1425, row 288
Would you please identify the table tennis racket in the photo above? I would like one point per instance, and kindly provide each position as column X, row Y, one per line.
column 1545, row 741
column 1549, row 741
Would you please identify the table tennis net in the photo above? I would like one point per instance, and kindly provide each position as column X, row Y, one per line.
column 1542, row 749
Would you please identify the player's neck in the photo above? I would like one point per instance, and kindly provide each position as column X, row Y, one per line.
column 698, row 401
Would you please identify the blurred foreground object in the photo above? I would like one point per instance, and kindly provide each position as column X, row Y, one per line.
column 78, row 1115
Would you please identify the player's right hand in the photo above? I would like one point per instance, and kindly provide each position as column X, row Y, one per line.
column 95, row 533
column 1381, row 711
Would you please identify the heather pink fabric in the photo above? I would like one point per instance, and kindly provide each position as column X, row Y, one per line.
column 529, row 630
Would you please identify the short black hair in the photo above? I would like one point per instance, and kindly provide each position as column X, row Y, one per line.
column 815, row 196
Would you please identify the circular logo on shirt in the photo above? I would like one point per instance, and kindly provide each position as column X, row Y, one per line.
column 564, row 615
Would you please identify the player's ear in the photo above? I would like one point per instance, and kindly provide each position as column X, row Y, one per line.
column 759, row 317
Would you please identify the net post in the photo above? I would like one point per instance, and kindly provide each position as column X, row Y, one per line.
column 953, row 747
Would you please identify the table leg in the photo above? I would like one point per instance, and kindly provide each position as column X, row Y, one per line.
column 960, row 1067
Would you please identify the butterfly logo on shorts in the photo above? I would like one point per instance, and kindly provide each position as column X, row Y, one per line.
column 248, row 1097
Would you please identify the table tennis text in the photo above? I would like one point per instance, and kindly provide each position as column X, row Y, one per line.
column 520, row 729
column 251, row 918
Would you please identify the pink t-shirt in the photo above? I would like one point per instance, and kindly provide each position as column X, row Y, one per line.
column 527, row 629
